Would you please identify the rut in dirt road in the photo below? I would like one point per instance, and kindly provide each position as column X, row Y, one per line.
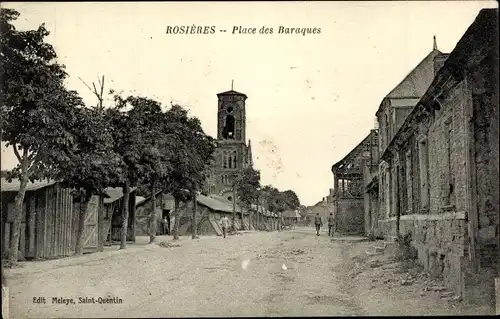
column 312, row 283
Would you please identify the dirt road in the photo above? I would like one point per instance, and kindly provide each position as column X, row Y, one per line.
column 291, row 273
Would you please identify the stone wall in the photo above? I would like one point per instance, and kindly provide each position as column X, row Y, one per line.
column 450, row 117
column 486, row 146
column 441, row 243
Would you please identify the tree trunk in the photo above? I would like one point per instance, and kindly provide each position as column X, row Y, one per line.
column 242, row 221
column 100, row 225
column 193, row 220
column 84, row 207
column 176, row 222
column 18, row 217
column 398, row 201
column 278, row 221
column 123, row 235
column 234, row 208
column 152, row 214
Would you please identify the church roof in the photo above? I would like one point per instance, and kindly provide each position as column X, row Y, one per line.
column 231, row 92
column 249, row 154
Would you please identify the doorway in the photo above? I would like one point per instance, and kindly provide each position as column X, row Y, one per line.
column 166, row 214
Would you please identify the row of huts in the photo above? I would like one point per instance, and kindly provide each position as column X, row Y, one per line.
column 51, row 216
column 431, row 168
column 209, row 210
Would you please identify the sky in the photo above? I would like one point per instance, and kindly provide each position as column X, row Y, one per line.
column 311, row 98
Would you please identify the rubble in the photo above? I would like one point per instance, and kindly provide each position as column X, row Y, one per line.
column 406, row 282
column 446, row 294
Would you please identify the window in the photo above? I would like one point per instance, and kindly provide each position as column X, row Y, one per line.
column 409, row 182
column 388, row 192
column 449, row 195
column 423, row 162
column 228, row 131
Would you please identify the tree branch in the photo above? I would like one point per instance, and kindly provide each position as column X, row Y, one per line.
column 85, row 84
column 95, row 90
column 17, row 153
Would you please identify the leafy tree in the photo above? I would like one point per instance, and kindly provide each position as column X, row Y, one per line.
column 153, row 147
column 268, row 194
column 90, row 165
column 192, row 153
column 247, row 185
column 278, row 201
column 291, row 200
column 36, row 110
column 127, row 131
column 203, row 147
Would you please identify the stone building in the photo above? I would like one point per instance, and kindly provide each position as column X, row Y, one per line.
column 323, row 208
column 232, row 154
column 392, row 112
column 444, row 165
column 370, row 183
column 348, row 193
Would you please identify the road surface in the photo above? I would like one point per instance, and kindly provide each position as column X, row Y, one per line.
column 289, row 273
column 253, row 274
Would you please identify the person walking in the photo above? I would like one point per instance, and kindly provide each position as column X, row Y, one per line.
column 318, row 222
column 331, row 222
column 165, row 225
column 224, row 222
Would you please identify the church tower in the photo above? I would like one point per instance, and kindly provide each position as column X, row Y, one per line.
column 232, row 154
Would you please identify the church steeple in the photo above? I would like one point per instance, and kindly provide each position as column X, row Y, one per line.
column 249, row 154
column 434, row 44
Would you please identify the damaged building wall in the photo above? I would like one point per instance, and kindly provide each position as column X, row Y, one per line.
column 349, row 186
column 349, row 216
column 451, row 148
column 486, row 152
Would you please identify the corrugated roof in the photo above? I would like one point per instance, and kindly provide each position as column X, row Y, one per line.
column 115, row 193
column 139, row 200
column 291, row 214
column 16, row 184
column 216, row 203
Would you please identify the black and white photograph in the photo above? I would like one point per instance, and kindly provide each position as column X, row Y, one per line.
column 249, row 159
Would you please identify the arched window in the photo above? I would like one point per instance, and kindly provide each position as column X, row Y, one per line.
column 228, row 131
column 230, row 161
column 234, row 159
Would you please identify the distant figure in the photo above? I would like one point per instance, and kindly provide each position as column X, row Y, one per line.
column 318, row 222
column 224, row 222
column 331, row 222
column 164, row 222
